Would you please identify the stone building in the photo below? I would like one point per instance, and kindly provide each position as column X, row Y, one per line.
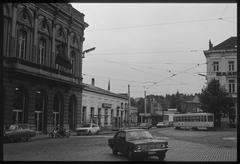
column 222, row 66
column 107, row 109
column 42, row 64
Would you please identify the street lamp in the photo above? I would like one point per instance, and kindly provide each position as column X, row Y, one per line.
column 86, row 51
column 200, row 74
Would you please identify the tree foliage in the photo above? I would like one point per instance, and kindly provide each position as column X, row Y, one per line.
column 214, row 99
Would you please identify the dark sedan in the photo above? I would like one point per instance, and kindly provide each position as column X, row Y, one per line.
column 135, row 143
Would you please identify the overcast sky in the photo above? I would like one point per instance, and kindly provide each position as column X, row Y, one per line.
column 156, row 47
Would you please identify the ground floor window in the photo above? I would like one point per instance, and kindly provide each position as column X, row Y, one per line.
column 106, row 116
column 39, row 120
column 99, row 116
column 84, row 114
column 17, row 116
column 56, row 118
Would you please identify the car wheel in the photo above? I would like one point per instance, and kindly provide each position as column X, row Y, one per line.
column 161, row 157
column 114, row 150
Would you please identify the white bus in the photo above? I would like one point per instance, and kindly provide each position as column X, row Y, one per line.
column 193, row 121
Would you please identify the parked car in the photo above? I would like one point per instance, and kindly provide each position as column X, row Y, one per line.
column 136, row 143
column 145, row 125
column 18, row 132
column 162, row 124
column 89, row 129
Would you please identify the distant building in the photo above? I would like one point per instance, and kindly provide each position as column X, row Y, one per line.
column 222, row 66
column 42, row 64
column 105, row 108
column 191, row 106
column 168, row 115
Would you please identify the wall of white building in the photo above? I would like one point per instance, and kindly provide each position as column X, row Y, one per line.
column 96, row 100
column 223, row 58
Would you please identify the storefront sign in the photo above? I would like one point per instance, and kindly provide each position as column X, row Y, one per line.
column 106, row 105
column 226, row 73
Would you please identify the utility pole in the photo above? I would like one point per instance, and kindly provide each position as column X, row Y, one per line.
column 145, row 106
column 129, row 105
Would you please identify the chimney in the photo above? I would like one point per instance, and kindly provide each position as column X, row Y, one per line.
column 93, row 81
column 210, row 45
column 108, row 85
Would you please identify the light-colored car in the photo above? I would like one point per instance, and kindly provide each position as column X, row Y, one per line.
column 145, row 126
column 19, row 132
column 162, row 124
column 88, row 129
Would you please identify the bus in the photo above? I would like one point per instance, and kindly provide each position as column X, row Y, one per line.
column 193, row 121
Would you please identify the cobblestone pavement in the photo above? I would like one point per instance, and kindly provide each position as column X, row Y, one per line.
column 188, row 151
column 95, row 148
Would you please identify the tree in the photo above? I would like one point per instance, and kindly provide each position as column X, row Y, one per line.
column 214, row 99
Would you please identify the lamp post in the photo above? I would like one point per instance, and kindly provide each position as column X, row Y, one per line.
column 87, row 50
column 83, row 56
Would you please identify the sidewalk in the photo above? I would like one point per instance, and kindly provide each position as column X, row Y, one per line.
column 45, row 136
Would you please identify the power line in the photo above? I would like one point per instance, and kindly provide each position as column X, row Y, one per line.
column 148, row 52
column 174, row 74
column 159, row 24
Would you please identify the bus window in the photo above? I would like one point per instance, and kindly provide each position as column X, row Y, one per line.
column 195, row 118
column 190, row 118
column 198, row 118
column 201, row 118
column 204, row 118
column 210, row 118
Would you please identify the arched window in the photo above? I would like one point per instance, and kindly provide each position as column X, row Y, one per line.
column 71, row 112
column 40, row 109
column 19, row 104
column 42, row 51
column 57, row 110
column 22, row 44
column 111, row 115
column 73, row 62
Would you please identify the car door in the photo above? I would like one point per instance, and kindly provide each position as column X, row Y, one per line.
column 122, row 142
column 117, row 141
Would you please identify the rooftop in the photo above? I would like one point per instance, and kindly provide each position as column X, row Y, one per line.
column 230, row 43
column 93, row 88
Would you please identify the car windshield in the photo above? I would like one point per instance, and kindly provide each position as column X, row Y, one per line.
column 86, row 125
column 12, row 127
column 137, row 135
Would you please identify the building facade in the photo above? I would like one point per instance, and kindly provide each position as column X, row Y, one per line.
column 191, row 106
column 107, row 109
column 222, row 66
column 42, row 64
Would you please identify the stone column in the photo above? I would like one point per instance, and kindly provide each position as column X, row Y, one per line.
column 13, row 40
column 53, row 44
column 35, row 37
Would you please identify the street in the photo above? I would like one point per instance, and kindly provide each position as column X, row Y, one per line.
column 185, row 146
